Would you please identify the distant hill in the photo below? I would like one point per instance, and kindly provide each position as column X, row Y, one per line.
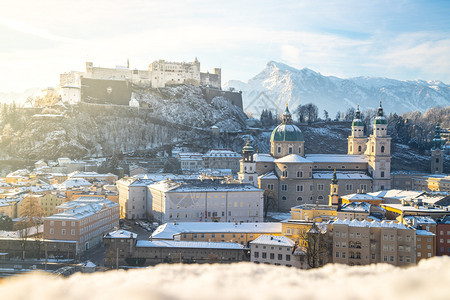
column 18, row 98
column 279, row 83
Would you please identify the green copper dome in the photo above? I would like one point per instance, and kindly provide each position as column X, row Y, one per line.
column 287, row 131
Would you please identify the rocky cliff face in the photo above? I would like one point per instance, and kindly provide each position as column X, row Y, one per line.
column 176, row 115
column 279, row 83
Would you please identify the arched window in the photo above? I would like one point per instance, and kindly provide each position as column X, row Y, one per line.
column 283, row 198
column 359, row 148
column 290, row 150
column 299, row 199
column 285, row 173
column 382, row 149
column 351, row 148
column 320, row 198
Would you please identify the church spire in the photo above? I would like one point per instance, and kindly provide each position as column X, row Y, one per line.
column 286, row 118
column 334, row 178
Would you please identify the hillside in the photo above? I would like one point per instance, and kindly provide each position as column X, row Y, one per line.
column 177, row 115
column 278, row 83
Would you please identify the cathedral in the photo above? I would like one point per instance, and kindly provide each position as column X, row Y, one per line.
column 297, row 178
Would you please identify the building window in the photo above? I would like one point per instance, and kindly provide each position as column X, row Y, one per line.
column 349, row 187
column 72, row 231
column 320, row 187
column 359, row 148
column 337, row 254
column 270, row 187
column 288, row 257
column 285, row 174
column 256, row 254
column 373, row 256
column 63, row 223
column 280, row 256
column 63, row 231
column 272, row 256
column 264, row 255
column 290, row 150
column 343, row 255
column 382, row 174
column 279, row 149
column 52, row 223
column 299, row 199
column 284, row 187
column 52, row 231
column 283, row 198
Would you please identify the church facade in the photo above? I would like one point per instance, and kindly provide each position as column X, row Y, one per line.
column 296, row 178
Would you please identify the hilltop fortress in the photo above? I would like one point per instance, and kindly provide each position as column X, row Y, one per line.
column 113, row 85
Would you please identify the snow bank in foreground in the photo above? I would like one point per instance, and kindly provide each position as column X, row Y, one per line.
column 429, row 280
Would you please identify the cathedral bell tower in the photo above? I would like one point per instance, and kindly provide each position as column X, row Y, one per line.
column 357, row 140
column 247, row 171
column 378, row 151
column 437, row 155
column 334, row 186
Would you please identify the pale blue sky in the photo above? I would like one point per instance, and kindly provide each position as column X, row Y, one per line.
column 396, row 39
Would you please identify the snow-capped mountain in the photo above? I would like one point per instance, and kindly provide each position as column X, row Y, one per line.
column 278, row 84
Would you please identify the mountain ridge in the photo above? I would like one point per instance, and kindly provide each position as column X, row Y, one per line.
column 279, row 83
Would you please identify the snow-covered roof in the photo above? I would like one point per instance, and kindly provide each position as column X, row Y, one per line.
column 263, row 157
column 356, row 207
column 396, row 194
column 271, row 240
column 221, row 153
column 268, row 175
column 81, row 208
column 188, row 244
column 420, row 220
column 202, row 186
column 365, row 223
column 360, row 196
column 423, row 209
column 336, row 158
column 73, row 182
column 90, row 175
column 292, row 158
column 424, row 232
column 169, row 230
column 121, row 234
column 341, row 175
column 163, row 176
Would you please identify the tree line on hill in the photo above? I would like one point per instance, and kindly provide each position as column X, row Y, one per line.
column 415, row 128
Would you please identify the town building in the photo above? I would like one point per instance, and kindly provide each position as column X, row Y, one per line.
column 360, row 211
column 205, row 200
column 84, row 220
column 296, row 177
column 443, row 236
column 236, row 232
column 190, row 161
column 416, row 208
column 436, row 182
column 362, row 243
column 123, row 248
column 221, row 159
column 276, row 250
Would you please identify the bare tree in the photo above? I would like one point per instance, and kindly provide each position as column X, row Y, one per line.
column 314, row 241
column 270, row 201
